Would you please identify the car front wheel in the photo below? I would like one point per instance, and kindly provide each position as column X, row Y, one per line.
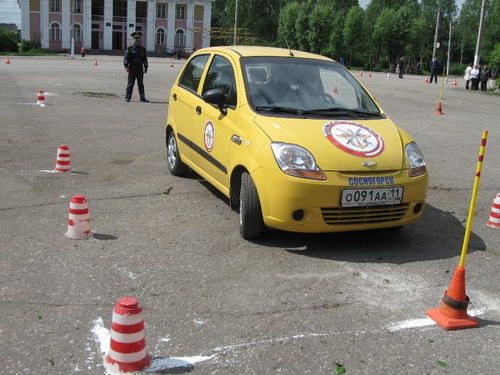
column 175, row 164
column 251, row 222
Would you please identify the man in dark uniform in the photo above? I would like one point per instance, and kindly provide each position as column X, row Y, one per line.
column 135, row 58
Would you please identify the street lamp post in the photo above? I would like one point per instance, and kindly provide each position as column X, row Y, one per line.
column 235, row 23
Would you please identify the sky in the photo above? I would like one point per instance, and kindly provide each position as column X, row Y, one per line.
column 10, row 12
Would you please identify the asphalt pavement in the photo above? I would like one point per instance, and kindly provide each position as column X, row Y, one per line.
column 214, row 303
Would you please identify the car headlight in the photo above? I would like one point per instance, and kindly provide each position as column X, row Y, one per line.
column 416, row 159
column 296, row 161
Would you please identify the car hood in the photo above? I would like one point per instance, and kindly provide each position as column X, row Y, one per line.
column 341, row 145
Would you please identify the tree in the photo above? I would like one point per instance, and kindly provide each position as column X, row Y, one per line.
column 8, row 40
column 354, row 35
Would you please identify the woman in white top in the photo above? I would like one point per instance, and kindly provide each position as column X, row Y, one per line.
column 467, row 76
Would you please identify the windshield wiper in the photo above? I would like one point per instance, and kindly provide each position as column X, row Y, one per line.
column 343, row 111
column 277, row 109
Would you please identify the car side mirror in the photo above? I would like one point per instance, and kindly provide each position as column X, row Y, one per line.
column 216, row 97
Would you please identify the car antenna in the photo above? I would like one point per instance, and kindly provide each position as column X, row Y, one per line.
column 283, row 32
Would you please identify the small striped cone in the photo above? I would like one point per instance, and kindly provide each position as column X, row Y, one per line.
column 78, row 220
column 454, row 82
column 494, row 220
column 63, row 162
column 41, row 97
column 7, row 61
column 426, row 80
column 361, row 72
column 127, row 352
column 335, row 90
column 95, row 61
column 171, row 63
column 388, row 75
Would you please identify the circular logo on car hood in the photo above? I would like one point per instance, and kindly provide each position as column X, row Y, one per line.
column 353, row 138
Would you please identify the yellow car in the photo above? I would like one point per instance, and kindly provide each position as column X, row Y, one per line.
column 294, row 140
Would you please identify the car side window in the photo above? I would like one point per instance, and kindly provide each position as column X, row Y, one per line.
column 221, row 76
column 192, row 73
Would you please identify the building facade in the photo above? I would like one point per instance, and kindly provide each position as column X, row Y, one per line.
column 166, row 25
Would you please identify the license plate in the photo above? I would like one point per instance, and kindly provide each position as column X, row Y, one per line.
column 381, row 196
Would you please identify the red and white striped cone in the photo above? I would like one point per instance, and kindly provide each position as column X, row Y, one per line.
column 78, row 220
column 95, row 61
column 7, row 61
column 63, row 162
column 127, row 352
column 171, row 63
column 41, row 97
column 494, row 220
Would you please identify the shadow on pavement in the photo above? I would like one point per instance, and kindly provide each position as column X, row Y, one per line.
column 438, row 235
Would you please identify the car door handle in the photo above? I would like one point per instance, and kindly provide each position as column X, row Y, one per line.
column 175, row 97
column 198, row 110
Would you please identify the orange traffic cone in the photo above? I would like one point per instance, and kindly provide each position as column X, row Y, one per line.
column 335, row 91
column 439, row 110
column 7, row 60
column 78, row 220
column 361, row 72
column 171, row 63
column 41, row 98
column 426, row 79
column 494, row 220
column 127, row 352
column 454, row 82
column 95, row 61
column 63, row 161
column 452, row 314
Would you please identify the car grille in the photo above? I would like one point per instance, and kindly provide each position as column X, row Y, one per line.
column 363, row 215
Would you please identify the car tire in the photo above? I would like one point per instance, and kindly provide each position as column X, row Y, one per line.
column 251, row 221
column 175, row 164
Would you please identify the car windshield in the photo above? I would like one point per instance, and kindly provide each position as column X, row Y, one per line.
column 291, row 85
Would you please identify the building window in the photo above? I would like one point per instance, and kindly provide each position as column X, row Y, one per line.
column 160, row 37
column 179, row 41
column 161, row 11
column 54, row 6
column 77, row 32
column 78, row 6
column 180, row 12
column 55, row 32
column 198, row 13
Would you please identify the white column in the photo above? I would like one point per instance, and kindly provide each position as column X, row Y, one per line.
column 131, row 10
column 44, row 22
column 66, row 25
column 87, row 24
column 171, row 26
column 189, row 26
column 25, row 20
column 207, row 16
column 150, row 39
column 108, row 30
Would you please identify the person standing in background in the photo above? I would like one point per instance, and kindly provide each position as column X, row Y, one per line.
column 483, row 77
column 133, row 61
column 467, row 76
column 474, row 77
column 434, row 70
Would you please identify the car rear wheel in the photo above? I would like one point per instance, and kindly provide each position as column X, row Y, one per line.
column 175, row 164
column 251, row 222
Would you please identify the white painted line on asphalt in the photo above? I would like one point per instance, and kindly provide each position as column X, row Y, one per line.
column 418, row 323
column 102, row 337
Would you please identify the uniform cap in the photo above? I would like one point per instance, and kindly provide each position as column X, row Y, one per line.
column 136, row 34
